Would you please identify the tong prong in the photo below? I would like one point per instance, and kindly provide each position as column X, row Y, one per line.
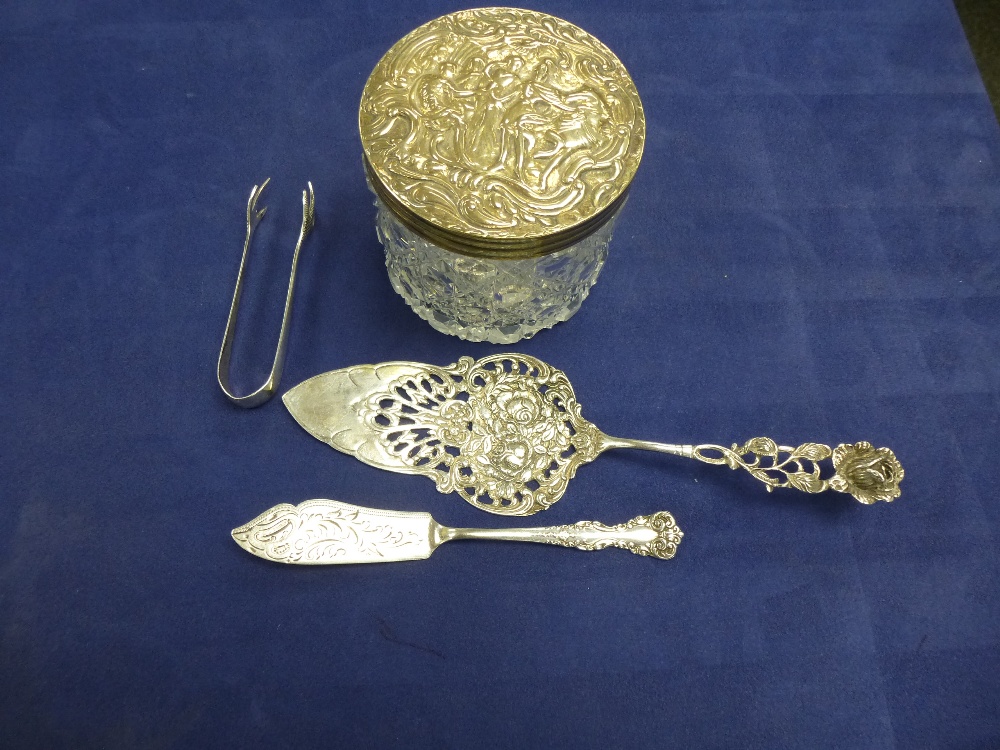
column 308, row 210
column 266, row 391
column 254, row 216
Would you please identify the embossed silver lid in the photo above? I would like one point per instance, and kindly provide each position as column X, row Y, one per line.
column 501, row 132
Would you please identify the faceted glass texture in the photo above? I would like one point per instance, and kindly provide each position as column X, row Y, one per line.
column 490, row 299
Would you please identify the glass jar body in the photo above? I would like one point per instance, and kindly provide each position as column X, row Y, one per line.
column 490, row 299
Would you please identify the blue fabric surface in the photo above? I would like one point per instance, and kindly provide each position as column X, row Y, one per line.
column 810, row 252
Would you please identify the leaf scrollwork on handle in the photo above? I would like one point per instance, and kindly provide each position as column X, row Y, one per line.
column 867, row 473
column 656, row 535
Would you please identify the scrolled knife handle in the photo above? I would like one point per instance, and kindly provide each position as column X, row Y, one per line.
column 656, row 535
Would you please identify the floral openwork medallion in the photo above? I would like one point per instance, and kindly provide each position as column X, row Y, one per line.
column 505, row 431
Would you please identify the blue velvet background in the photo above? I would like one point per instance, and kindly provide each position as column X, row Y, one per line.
column 810, row 252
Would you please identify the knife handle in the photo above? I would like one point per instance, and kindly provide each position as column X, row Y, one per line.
column 657, row 535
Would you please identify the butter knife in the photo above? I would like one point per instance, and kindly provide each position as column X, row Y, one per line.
column 329, row 532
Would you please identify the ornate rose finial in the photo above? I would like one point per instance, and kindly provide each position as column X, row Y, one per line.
column 869, row 474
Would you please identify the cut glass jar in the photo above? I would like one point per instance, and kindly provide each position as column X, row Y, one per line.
column 500, row 145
